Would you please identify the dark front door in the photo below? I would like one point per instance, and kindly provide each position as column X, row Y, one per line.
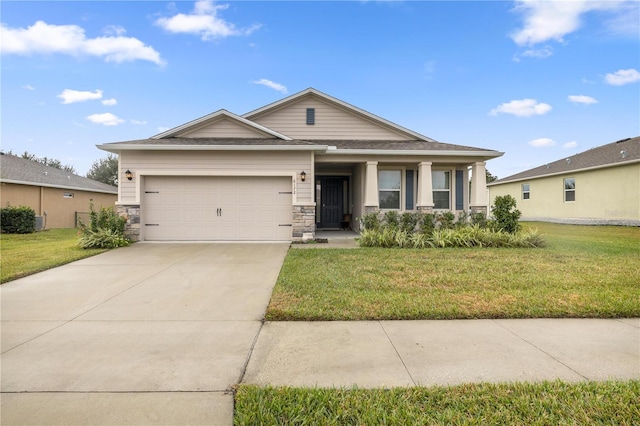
column 331, row 202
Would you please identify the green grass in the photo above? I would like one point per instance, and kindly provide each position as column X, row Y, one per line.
column 583, row 272
column 26, row 254
column 547, row 403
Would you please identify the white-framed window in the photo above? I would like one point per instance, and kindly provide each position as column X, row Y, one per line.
column 390, row 189
column 67, row 195
column 569, row 189
column 526, row 192
column 441, row 183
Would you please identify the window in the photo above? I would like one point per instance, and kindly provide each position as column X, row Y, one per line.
column 441, row 182
column 570, row 189
column 311, row 116
column 389, row 185
column 67, row 195
column 526, row 194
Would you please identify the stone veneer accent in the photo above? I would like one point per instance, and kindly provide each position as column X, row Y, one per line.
column 131, row 212
column 304, row 221
column 425, row 209
column 479, row 209
column 371, row 209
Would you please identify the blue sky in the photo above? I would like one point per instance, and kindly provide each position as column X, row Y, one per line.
column 539, row 80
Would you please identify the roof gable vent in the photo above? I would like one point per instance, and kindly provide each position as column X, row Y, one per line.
column 311, row 116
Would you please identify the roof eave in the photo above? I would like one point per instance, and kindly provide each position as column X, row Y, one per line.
column 440, row 153
column 115, row 148
column 48, row 185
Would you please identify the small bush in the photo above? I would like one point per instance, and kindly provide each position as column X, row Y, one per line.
column 105, row 230
column 408, row 221
column 427, row 223
column 505, row 214
column 370, row 221
column 18, row 220
column 446, row 220
column 392, row 219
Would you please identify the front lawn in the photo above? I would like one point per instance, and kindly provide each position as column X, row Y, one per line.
column 585, row 271
column 26, row 254
column 547, row 403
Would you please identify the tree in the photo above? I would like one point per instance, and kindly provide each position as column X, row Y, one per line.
column 105, row 170
column 490, row 177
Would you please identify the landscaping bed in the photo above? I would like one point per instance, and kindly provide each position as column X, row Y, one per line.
column 583, row 272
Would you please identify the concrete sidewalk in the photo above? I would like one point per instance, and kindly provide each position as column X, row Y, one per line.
column 373, row 354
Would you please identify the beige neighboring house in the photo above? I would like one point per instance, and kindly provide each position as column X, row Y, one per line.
column 55, row 195
column 598, row 186
column 285, row 170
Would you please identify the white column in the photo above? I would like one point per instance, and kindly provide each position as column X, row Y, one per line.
column 371, row 185
column 479, row 186
column 425, row 186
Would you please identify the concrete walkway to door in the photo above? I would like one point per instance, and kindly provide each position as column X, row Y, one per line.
column 152, row 333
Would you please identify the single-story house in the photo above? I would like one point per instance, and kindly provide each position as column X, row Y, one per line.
column 55, row 195
column 280, row 172
column 600, row 186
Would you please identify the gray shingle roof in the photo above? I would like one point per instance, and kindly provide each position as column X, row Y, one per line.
column 20, row 170
column 615, row 153
column 392, row 145
column 212, row 142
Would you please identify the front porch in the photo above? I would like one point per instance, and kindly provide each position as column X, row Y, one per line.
column 346, row 190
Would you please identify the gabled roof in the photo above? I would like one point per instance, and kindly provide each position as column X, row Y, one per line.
column 335, row 101
column 26, row 172
column 198, row 122
column 618, row 153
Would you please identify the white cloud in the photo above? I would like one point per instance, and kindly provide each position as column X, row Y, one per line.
column 109, row 102
column 542, row 142
column 570, row 145
column 28, row 87
column 69, row 96
column 554, row 19
column 106, row 119
column 622, row 77
column 203, row 21
column 522, row 108
column 138, row 122
column 582, row 99
column 71, row 40
column 275, row 86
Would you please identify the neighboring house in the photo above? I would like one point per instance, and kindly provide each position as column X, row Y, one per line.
column 55, row 195
column 598, row 186
column 306, row 162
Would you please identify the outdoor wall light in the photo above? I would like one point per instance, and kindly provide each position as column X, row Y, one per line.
column 128, row 174
column 303, row 176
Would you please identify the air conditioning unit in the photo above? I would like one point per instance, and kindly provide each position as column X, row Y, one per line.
column 39, row 223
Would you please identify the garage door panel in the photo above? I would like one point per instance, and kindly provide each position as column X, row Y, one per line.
column 186, row 208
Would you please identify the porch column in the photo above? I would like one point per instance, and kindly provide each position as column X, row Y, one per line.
column 479, row 200
column 425, row 187
column 371, row 202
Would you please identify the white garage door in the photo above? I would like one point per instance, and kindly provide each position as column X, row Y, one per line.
column 190, row 208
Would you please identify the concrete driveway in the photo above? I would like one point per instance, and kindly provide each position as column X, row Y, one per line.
column 152, row 333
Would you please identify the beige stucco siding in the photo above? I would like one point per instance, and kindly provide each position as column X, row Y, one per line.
column 331, row 122
column 224, row 128
column 215, row 163
column 608, row 194
column 60, row 210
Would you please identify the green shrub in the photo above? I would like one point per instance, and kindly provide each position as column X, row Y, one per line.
column 427, row 223
column 392, row 219
column 505, row 214
column 105, row 230
column 446, row 220
column 479, row 218
column 18, row 220
column 408, row 221
column 370, row 221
